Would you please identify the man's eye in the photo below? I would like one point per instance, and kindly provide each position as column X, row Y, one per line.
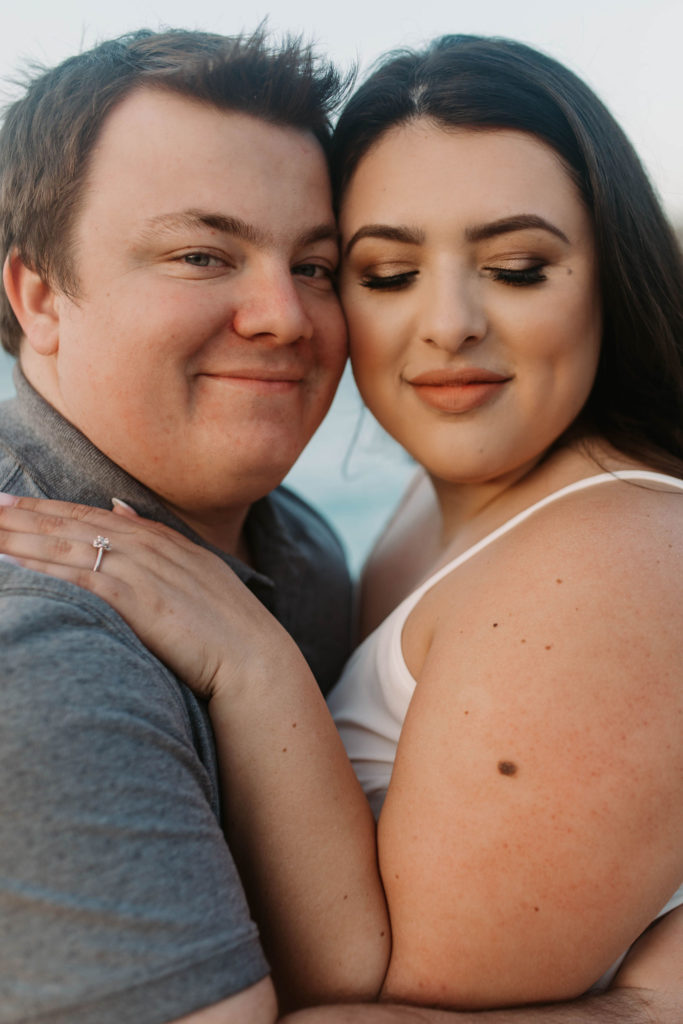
column 201, row 259
column 314, row 270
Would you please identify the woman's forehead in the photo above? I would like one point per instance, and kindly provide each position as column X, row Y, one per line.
column 423, row 167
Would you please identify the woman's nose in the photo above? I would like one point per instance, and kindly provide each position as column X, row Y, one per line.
column 453, row 312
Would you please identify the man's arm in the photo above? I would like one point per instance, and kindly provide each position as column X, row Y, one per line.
column 118, row 895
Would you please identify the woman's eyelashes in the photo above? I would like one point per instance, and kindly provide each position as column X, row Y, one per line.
column 393, row 282
column 506, row 275
column 523, row 276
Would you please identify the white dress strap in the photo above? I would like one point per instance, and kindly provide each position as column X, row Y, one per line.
column 579, row 485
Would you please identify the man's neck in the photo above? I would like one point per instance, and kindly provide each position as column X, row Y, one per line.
column 223, row 529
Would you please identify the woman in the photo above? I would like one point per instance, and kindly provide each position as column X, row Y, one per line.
column 500, row 285
column 514, row 302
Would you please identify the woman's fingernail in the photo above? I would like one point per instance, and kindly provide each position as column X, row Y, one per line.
column 8, row 558
column 120, row 503
column 8, row 499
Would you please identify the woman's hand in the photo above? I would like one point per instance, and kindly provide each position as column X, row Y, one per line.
column 299, row 827
column 186, row 605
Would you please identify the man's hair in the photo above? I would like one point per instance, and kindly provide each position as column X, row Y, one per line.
column 48, row 134
column 482, row 83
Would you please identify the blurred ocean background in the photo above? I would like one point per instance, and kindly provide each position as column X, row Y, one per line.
column 351, row 471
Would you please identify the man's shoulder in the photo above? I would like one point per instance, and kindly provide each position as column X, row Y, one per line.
column 62, row 644
column 305, row 524
column 108, row 779
column 314, row 600
column 29, row 596
column 16, row 476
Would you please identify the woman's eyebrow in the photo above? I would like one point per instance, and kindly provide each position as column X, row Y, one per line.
column 409, row 236
column 479, row 233
column 520, row 222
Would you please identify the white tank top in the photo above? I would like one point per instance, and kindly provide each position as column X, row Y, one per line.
column 370, row 701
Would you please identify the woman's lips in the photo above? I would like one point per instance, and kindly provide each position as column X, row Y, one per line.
column 458, row 391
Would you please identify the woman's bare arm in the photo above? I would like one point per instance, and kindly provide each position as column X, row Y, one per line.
column 647, row 990
column 610, row 1008
column 532, row 827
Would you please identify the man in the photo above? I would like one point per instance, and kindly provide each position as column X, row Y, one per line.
column 169, row 247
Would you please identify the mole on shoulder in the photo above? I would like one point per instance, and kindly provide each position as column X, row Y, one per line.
column 507, row 768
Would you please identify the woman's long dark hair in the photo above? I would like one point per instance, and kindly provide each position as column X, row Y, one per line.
column 636, row 402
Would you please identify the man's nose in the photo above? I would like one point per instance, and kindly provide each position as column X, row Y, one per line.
column 270, row 307
column 452, row 312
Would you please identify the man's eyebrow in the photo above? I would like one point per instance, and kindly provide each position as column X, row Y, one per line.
column 520, row 222
column 205, row 218
column 409, row 236
column 235, row 226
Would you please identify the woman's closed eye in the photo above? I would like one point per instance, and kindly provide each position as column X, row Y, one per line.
column 389, row 282
column 520, row 277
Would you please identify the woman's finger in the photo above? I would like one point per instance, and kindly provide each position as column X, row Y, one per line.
column 56, row 548
column 55, row 538
column 122, row 508
column 51, row 507
column 56, row 516
column 47, row 517
column 42, row 516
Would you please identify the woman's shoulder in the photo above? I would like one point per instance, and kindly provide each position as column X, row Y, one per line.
column 573, row 504
column 621, row 517
column 608, row 556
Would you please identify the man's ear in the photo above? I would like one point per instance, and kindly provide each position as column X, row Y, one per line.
column 33, row 302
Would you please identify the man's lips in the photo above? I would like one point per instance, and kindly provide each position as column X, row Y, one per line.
column 458, row 391
column 266, row 380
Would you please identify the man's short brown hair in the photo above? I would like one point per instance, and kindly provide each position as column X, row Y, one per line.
column 48, row 135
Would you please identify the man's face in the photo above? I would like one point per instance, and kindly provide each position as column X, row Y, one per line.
column 206, row 342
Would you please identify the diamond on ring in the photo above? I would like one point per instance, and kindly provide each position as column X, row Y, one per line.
column 102, row 544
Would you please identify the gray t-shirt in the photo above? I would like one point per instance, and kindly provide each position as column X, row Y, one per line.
column 119, row 900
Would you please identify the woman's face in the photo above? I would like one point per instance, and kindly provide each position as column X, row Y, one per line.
column 470, row 288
